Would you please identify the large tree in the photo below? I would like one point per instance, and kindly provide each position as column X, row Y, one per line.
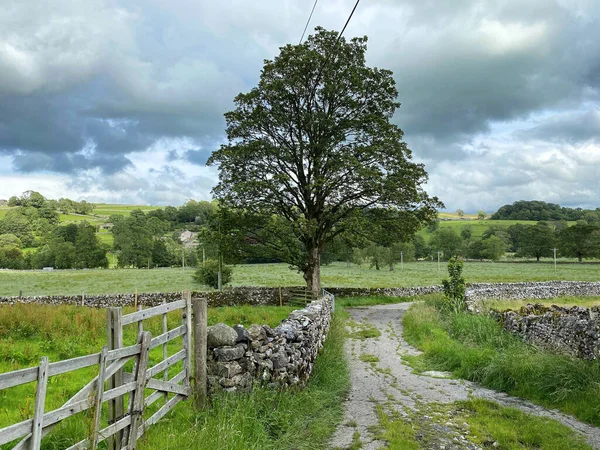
column 313, row 145
column 536, row 241
column 580, row 241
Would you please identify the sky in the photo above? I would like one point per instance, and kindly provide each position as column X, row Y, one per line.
column 123, row 101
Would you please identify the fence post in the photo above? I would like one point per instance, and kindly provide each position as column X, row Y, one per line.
column 200, row 350
column 116, row 407
column 138, row 394
column 187, row 338
column 164, row 349
column 40, row 398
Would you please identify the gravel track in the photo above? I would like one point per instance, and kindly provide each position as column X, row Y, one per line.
column 390, row 382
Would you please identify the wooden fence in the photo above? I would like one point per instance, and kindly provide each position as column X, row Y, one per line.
column 124, row 424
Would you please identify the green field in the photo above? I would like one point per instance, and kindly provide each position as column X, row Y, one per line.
column 106, row 209
column 112, row 281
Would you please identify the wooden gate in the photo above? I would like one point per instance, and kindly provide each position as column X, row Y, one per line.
column 124, row 425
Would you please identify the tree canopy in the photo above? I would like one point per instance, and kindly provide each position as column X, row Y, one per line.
column 538, row 210
column 313, row 145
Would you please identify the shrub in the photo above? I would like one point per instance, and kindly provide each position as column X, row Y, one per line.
column 209, row 274
column 454, row 286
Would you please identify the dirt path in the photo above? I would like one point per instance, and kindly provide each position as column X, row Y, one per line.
column 390, row 383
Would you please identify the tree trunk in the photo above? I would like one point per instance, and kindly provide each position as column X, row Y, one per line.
column 312, row 274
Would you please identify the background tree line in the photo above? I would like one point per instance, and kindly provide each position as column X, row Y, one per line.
column 581, row 241
column 538, row 210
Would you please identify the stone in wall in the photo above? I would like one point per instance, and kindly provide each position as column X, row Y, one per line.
column 574, row 331
column 279, row 357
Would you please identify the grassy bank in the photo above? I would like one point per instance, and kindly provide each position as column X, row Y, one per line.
column 112, row 281
column 265, row 418
column 476, row 348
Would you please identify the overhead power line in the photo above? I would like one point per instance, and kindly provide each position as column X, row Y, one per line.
column 347, row 21
column 333, row 48
column 308, row 21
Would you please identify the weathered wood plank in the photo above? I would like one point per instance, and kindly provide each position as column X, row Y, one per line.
column 170, row 361
column 187, row 339
column 200, row 351
column 99, row 398
column 167, row 386
column 18, row 377
column 156, row 395
column 15, row 431
column 168, row 336
column 40, row 400
column 140, row 322
column 104, row 433
column 152, row 312
column 121, row 390
column 116, row 406
column 165, row 352
column 160, row 414
column 124, row 352
column 69, row 365
column 138, row 394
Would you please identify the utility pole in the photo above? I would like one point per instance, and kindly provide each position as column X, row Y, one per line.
column 402, row 261
column 203, row 256
column 439, row 262
column 554, row 259
column 183, row 259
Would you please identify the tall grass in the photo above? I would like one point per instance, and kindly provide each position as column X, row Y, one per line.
column 476, row 348
column 265, row 418
column 29, row 331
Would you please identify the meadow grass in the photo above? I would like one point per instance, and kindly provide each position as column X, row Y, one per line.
column 559, row 301
column 107, row 209
column 476, row 348
column 422, row 273
column 79, row 218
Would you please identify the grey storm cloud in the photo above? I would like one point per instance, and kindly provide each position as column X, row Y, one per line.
column 84, row 85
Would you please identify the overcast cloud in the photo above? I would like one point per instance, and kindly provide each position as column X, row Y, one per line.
column 123, row 101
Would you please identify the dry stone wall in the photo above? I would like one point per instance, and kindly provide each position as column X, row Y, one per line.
column 531, row 290
column 229, row 297
column 271, row 295
column 238, row 357
column 572, row 330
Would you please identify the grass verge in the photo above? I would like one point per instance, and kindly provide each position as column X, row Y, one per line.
column 481, row 422
column 265, row 418
column 476, row 348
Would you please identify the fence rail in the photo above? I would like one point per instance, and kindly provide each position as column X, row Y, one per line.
column 124, row 425
column 300, row 297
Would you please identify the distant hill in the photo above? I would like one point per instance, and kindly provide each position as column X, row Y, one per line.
column 538, row 210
